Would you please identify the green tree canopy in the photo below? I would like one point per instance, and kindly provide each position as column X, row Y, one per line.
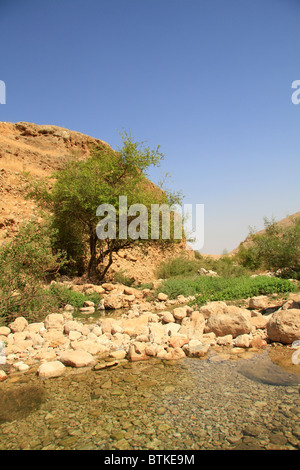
column 82, row 186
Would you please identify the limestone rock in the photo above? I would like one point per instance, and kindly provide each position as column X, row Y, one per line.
column 233, row 321
column 284, row 326
column 18, row 325
column 259, row 302
column 78, row 358
column 51, row 369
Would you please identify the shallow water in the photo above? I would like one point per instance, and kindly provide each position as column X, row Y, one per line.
column 190, row 404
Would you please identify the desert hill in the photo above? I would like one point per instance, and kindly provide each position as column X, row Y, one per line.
column 287, row 221
column 40, row 150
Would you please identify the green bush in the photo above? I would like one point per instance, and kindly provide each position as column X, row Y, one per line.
column 278, row 248
column 225, row 266
column 26, row 264
column 62, row 296
column 211, row 289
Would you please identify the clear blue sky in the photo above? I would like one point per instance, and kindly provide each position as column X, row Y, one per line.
column 208, row 80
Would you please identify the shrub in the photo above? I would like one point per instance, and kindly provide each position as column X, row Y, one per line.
column 26, row 263
column 278, row 248
column 211, row 289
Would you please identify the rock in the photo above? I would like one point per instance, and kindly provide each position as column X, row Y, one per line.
column 168, row 318
column 260, row 321
column 195, row 348
column 178, row 341
column 74, row 335
column 137, row 352
column 118, row 354
column 193, row 326
column 259, row 302
column 258, row 343
column 212, row 308
column 72, row 325
column 135, row 326
column 3, row 376
column 284, row 326
column 157, row 333
column 87, row 310
column 4, row 331
column 173, row 354
column 233, row 321
column 226, row 340
column 243, row 341
column 18, row 325
column 105, row 365
column 89, row 346
column 162, row 297
column 76, row 358
column 51, row 369
column 54, row 321
column 21, row 366
column 171, row 329
column 113, row 302
column 55, row 338
column 35, row 328
column 296, row 357
column 180, row 313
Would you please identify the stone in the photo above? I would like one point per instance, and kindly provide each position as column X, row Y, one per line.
column 51, row 369
column 21, row 366
column 18, row 325
column 259, row 302
column 72, row 325
column 212, row 308
column 232, row 321
column 195, row 348
column 179, row 313
column 258, row 343
column 193, row 326
column 137, row 352
column 113, row 302
column 89, row 346
column 87, row 310
column 4, row 331
column 162, row 297
column 168, row 318
column 173, row 354
column 55, row 338
column 177, row 341
column 76, row 358
column 284, row 326
column 3, row 376
column 35, row 328
column 54, row 321
column 225, row 340
column 74, row 335
column 260, row 321
column 243, row 341
column 118, row 354
column 157, row 333
column 136, row 326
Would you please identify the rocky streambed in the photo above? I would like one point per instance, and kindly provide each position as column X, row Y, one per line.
column 166, row 378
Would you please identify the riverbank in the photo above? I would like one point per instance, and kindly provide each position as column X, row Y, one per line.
column 159, row 328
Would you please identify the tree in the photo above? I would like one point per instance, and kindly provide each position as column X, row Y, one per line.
column 81, row 187
column 278, row 248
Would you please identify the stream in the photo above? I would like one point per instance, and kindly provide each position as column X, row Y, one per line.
column 224, row 401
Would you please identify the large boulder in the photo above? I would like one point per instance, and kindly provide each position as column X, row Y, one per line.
column 18, row 325
column 76, row 358
column 233, row 321
column 284, row 326
column 192, row 327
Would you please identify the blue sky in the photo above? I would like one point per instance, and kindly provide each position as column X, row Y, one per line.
column 208, row 80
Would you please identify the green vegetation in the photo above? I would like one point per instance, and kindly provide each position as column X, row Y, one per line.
column 207, row 289
column 181, row 266
column 276, row 249
column 82, row 186
column 26, row 264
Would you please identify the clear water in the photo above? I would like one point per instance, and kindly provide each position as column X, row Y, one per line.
column 221, row 402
